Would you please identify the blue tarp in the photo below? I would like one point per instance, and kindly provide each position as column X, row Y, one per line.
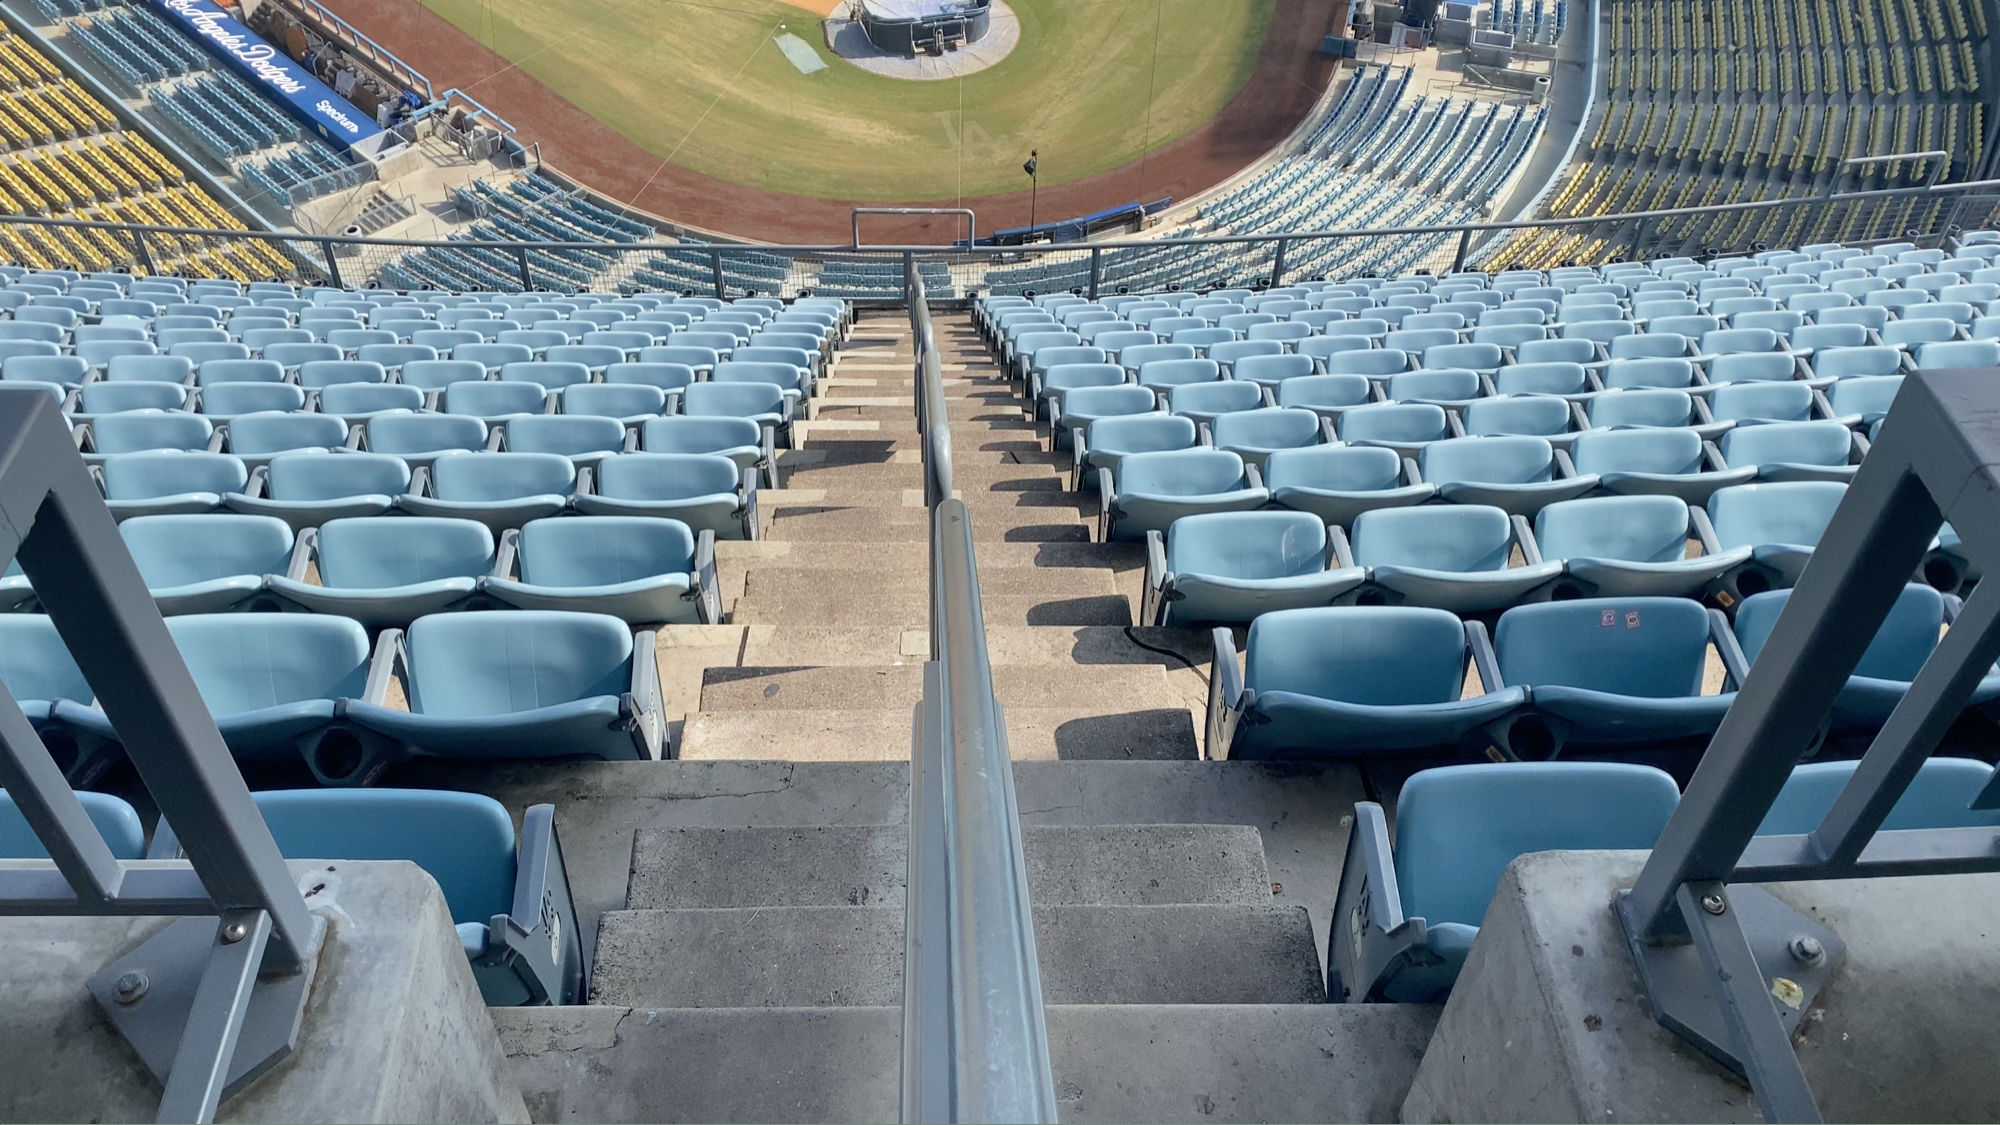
column 269, row 69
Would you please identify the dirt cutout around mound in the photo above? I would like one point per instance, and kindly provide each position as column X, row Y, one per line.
column 1291, row 75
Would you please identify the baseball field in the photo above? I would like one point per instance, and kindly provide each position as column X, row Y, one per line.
column 1094, row 85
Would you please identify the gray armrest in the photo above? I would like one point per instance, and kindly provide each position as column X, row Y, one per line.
column 704, row 574
column 496, row 436
column 1479, row 646
column 1370, row 933
column 539, row 935
column 644, row 695
column 550, row 403
column 631, row 443
column 1327, row 434
column 1524, row 535
column 746, row 495
column 1151, row 603
column 216, row 439
column 259, row 478
column 353, row 439
column 1253, row 475
column 1453, row 423
column 1203, row 435
column 1857, row 448
column 1704, row 531
column 1077, row 450
column 1336, row 543
column 1412, row 474
column 391, row 658
column 1105, row 485
column 1577, row 416
column 767, row 442
column 1734, row 665
column 504, row 556
column 303, row 548
column 1565, row 468
column 420, row 480
column 1711, row 453
column 1225, row 696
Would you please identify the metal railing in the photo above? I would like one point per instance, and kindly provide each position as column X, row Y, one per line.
column 364, row 46
column 1927, row 214
column 975, row 1044
column 184, row 998
column 1713, row 950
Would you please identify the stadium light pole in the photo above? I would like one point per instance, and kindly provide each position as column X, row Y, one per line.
column 1034, row 185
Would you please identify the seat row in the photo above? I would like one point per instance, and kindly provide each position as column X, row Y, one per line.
column 292, row 689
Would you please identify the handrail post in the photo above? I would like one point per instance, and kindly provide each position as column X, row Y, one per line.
column 1096, row 270
column 326, row 246
column 1464, row 251
column 527, row 273
column 1278, row 263
column 143, row 254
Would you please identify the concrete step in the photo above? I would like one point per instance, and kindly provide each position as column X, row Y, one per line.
column 850, row 688
column 1119, row 865
column 909, row 606
column 907, row 580
column 1113, row 1063
column 1092, row 733
column 839, row 956
column 825, row 521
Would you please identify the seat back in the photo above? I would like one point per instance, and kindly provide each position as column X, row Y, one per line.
column 1275, row 428
column 327, row 373
column 1787, row 443
column 178, row 550
column 1898, row 650
column 1140, row 433
column 1643, row 529
column 1323, row 391
column 405, row 434
column 1460, row 538
column 1940, row 796
column 487, row 477
column 666, row 476
column 1400, row 422
column 1457, row 828
column 1789, row 512
column 1652, row 648
column 464, row 841
column 1764, row 402
column 1661, row 450
column 603, row 550
column 114, row 820
column 1489, row 460
column 1335, row 468
column 1178, row 372
column 680, row 434
column 245, row 662
column 733, row 400
column 317, row 475
column 1381, row 656
column 437, row 374
column 275, row 432
column 1542, row 415
column 483, row 664
column 381, row 552
column 1247, row 545
column 135, row 430
column 169, row 472
column 35, row 664
column 1181, row 472
column 567, row 434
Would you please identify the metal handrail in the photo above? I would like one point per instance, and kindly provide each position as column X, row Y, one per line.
column 727, row 249
column 975, row 1040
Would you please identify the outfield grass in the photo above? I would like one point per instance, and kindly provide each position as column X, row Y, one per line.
column 1093, row 85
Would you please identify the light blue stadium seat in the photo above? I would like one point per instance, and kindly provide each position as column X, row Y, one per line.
column 1454, row 557
column 707, row 492
column 1788, row 451
column 437, row 374
column 547, row 374
column 169, row 482
column 392, row 357
column 1762, row 402
column 763, row 403
column 1654, row 461
column 262, row 435
column 739, row 439
column 1204, row 402
column 1137, row 356
column 583, row 438
column 640, row 569
column 389, row 570
column 115, row 398
column 494, row 403
column 1629, row 546
column 627, row 402
column 327, row 373
column 1544, row 416
column 1351, row 682
column 1107, row 439
column 1161, row 374
column 1407, row 427
column 39, row 673
column 420, row 439
column 523, row 684
column 1379, row 363
column 134, row 430
column 1893, row 658
column 1864, row 400
column 291, row 357
column 1648, row 372
column 1272, row 370
column 226, row 401
column 116, row 823
column 1338, row 483
column 1517, row 474
column 275, row 683
column 355, row 403
column 1324, row 394
column 1848, row 363
column 1958, row 353
column 1405, row 920
column 1229, row 567
column 1939, row 796
column 1049, row 387
column 500, row 490
column 67, row 370
column 1447, row 387
column 1152, row 489
column 203, row 563
column 491, row 357
column 1255, row 434
column 1780, row 523
column 1566, row 379
column 309, row 488
column 1609, row 674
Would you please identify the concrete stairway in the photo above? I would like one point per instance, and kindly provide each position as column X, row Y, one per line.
column 822, row 657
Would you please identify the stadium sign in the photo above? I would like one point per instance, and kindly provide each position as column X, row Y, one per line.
column 294, row 87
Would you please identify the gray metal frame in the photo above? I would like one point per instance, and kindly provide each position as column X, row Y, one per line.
column 1711, row 954
column 975, row 1041
column 208, row 1004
